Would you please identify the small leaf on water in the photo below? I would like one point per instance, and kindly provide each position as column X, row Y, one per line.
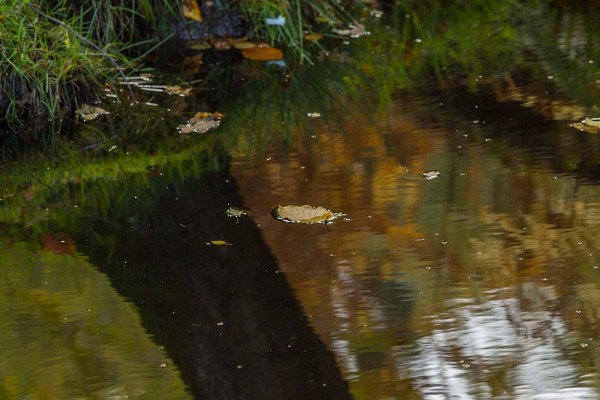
column 313, row 37
column 262, row 53
column 589, row 125
column 219, row 243
column 201, row 125
column 592, row 122
column 89, row 113
column 178, row 90
column 431, row 174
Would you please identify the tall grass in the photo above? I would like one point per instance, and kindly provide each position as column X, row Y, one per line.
column 300, row 18
column 42, row 64
column 52, row 52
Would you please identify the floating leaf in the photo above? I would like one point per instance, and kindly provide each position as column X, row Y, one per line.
column 354, row 31
column 262, row 54
column 431, row 174
column 201, row 125
column 592, row 122
column 191, row 10
column 305, row 214
column 178, row 90
column 235, row 212
column 88, row 113
column 219, row 243
column 313, row 37
column 204, row 114
column 590, row 125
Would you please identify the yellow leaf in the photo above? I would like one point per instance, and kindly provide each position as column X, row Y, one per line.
column 313, row 37
column 191, row 10
column 220, row 243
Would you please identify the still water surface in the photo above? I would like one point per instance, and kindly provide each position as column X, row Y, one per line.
column 480, row 283
column 123, row 276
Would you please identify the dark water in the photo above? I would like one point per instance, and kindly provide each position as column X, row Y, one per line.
column 122, row 276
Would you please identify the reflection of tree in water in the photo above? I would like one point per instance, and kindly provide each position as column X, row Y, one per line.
column 494, row 346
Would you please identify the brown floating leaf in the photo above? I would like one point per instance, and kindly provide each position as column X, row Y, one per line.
column 262, row 54
column 305, row 214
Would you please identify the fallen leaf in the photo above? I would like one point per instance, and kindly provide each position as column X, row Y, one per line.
column 191, row 10
column 431, row 174
column 592, row 122
column 219, row 243
column 236, row 213
column 178, row 90
column 262, row 54
column 89, row 113
column 204, row 114
column 313, row 37
column 590, row 125
column 199, row 125
column 305, row 214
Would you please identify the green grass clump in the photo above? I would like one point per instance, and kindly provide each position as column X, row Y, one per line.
column 53, row 52
column 301, row 17
column 42, row 64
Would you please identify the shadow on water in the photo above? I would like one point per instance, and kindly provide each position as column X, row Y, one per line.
column 225, row 313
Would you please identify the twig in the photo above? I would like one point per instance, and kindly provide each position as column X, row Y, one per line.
column 89, row 42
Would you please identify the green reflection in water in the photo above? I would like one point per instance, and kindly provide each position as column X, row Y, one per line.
column 66, row 333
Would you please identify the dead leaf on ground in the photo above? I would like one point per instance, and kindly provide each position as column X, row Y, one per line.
column 262, row 54
column 89, row 113
column 305, row 214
